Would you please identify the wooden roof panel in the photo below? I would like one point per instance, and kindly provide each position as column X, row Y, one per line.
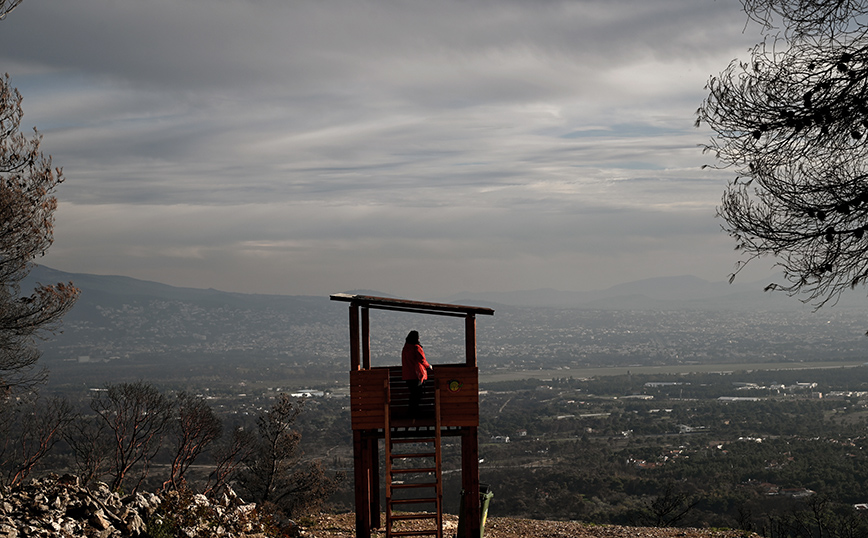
column 405, row 305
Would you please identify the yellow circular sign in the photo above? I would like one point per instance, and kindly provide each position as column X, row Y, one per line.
column 455, row 385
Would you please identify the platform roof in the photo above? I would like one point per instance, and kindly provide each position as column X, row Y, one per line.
column 419, row 307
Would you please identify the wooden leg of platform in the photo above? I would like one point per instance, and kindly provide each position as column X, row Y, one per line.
column 374, row 493
column 362, row 476
column 470, row 482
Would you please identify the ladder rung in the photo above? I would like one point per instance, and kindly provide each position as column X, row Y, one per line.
column 410, row 471
column 403, row 516
column 414, row 533
column 412, row 501
column 413, row 455
column 412, row 440
column 426, row 423
column 415, row 485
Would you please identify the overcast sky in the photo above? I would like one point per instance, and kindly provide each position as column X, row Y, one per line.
column 419, row 148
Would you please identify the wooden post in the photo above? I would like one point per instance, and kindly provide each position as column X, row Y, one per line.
column 374, row 492
column 470, row 339
column 366, row 339
column 354, row 336
column 362, row 476
column 470, row 482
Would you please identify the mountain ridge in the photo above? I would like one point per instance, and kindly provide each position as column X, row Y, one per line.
column 665, row 293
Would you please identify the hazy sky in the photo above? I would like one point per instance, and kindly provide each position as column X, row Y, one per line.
column 418, row 147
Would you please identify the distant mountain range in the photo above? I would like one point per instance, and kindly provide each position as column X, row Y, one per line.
column 110, row 291
column 124, row 318
column 662, row 293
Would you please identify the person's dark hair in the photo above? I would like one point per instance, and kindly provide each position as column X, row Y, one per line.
column 413, row 337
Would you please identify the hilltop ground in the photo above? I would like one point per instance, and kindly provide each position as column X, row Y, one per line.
column 343, row 526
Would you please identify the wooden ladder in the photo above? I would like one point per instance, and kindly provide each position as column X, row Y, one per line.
column 415, row 469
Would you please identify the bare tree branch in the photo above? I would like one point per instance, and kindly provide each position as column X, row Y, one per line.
column 6, row 7
column 195, row 427
column 792, row 123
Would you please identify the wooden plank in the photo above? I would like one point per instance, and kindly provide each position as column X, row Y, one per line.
column 367, row 398
column 457, row 420
column 362, row 425
column 460, row 419
column 460, row 422
column 464, row 397
column 369, row 413
column 421, row 307
column 367, row 386
column 459, row 408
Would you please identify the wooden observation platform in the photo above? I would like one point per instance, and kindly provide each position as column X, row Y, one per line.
column 379, row 401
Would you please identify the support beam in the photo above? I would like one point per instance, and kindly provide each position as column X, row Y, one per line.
column 362, row 476
column 374, row 491
column 366, row 339
column 354, row 336
column 470, row 339
column 470, row 482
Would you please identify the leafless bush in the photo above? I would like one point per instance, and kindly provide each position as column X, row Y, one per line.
column 229, row 457
column 29, row 430
column 195, row 426
column 137, row 416
column 274, row 471
column 91, row 443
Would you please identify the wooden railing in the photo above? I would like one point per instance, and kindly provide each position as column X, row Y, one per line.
column 459, row 396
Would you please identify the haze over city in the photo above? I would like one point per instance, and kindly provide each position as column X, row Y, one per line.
column 418, row 148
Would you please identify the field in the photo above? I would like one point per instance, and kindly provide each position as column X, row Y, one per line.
column 673, row 369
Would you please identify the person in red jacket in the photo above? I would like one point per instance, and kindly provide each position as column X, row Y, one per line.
column 414, row 369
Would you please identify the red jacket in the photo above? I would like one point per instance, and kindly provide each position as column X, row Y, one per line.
column 413, row 363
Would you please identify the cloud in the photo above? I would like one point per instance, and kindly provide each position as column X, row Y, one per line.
column 327, row 145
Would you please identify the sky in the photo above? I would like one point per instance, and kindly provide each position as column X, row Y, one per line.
column 419, row 147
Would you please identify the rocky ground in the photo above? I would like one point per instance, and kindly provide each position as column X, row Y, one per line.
column 59, row 506
column 343, row 526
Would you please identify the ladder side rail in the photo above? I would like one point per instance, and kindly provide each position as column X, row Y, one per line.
column 387, row 431
column 438, row 474
column 392, row 468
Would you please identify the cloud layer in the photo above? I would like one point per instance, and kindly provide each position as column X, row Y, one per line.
column 418, row 148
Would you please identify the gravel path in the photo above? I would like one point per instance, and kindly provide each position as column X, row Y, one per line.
column 343, row 526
